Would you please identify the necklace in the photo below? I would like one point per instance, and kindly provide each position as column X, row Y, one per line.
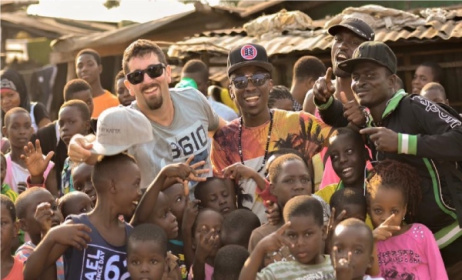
column 267, row 142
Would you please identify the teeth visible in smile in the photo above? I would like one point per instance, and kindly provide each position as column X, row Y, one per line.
column 348, row 169
column 253, row 98
column 342, row 56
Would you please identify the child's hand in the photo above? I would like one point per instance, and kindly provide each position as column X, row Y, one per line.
column 275, row 240
column 272, row 212
column 334, row 222
column 34, row 160
column 385, row 230
column 184, row 171
column 237, row 171
column 342, row 266
column 190, row 213
column 43, row 214
column 75, row 235
column 209, row 242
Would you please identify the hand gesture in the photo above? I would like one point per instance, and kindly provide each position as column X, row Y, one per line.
column 79, row 147
column 34, row 160
column 75, row 235
column 333, row 222
column 185, row 171
column 384, row 139
column 273, row 213
column 353, row 112
column 43, row 214
column 190, row 213
column 208, row 243
column 385, row 230
column 323, row 88
column 275, row 240
column 237, row 171
column 342, row 266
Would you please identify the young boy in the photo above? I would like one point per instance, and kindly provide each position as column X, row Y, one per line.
column 74, row 203
column 304, row 234
column 352, row 252
column 147, row 252
column 238, row 226
column 116, row 180
column 37, row 213
column 11, row 267
column 229, row 261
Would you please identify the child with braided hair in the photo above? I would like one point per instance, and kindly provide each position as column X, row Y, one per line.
column 403, row 248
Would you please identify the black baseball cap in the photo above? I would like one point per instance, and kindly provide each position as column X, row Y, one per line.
column 355, row 25
column 248, row 54
column 376, row 52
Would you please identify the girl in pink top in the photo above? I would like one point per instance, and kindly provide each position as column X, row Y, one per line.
column 405, row 250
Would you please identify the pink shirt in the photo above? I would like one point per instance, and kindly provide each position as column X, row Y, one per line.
column 411, row 255
column 208, row 272
column 16, row 174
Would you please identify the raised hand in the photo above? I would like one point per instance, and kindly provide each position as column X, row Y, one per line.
column 323, row 88
column 209, row 242
column 34, row 160
column 273, row 213
column 190, row 213
column 354, row 113
column 333, row 222
column 43, row 214
column 384, row 139
column 275, row 240
column 237, row 171
column 342, row 266
column 385, row 230
column 185, row 171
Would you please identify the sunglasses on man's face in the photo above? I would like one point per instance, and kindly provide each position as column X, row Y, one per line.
column 259, row 79
column 153, row 71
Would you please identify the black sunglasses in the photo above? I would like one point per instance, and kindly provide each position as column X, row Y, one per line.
column 153, row 71
column 259, row 79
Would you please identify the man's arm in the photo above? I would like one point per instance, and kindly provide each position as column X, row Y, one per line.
column 221, row 124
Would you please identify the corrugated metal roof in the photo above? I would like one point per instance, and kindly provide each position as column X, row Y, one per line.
column 53, row 26
column 310, row 40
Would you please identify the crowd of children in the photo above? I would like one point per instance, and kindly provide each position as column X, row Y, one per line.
column 260, row 215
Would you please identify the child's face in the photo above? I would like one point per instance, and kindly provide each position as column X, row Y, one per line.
column 164, row 218
column 307, row 237
column 293, row 180
column 177, row 200
column 385, row 202
column 81, row 176
column 347, row 158
column 207, row 221
column 29, row 224
column 78, row 204
column 70, row 123
column 9, row 229
column 3, row 168
column 87, row 68
column 358, row 242
column 284, row 104
column 128, row 186
column 219, row 195
column 85, row 96
column 122, row 93
column 352, row 211
column 145, row 260
column 19, row 129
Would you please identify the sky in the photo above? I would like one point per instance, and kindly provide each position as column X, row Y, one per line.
column 93, row 10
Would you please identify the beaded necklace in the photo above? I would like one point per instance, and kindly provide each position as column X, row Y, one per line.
column 267, row 142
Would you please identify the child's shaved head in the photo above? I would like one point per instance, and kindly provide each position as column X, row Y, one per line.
column 12, row 112
column 109, row 168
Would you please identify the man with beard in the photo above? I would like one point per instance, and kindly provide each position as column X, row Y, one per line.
column 348, row 35
column 180, row 118
column 413, row 130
